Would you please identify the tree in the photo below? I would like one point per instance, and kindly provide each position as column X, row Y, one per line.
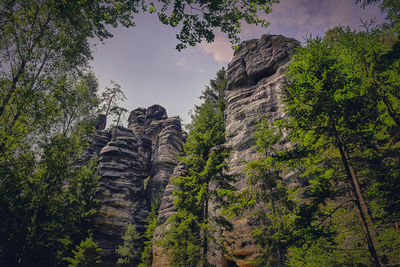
column 192, row 226
column 379, row 80
column 110, row 97
column 198, row 18
column 47, row 196
column 45, row 97
column 130, row 252
column 317, row 98
column 44, row 41
column 119, row 111
column 267, row 197
column 146, row 259
column 342, row 106
column 340, row 99
column 86, row 254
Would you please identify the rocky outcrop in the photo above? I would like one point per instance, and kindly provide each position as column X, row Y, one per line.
column 161, row 258
column 255, row 79
column 96, row 143
column 135, row 165
column 165, row 157
column 101, row 122
column 121, row 195
column 165, row 137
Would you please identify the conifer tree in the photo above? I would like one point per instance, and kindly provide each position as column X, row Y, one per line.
column 267, row 197
column 129, row 252
column 192, row 227
column 146, row 258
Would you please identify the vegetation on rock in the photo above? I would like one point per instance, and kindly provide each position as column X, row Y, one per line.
column 192, row 226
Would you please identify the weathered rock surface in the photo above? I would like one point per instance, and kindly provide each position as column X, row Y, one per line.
column 165, row 157
column 101, row 122
column 121, row 194
column 161, row 258
column 165, row 136
column 255, row 78
column 147, row 152
column 97, row 142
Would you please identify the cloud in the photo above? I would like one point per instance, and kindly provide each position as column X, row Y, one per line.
column 220, row 50
column 297, row 19
column 183, row 62
column 300, row 18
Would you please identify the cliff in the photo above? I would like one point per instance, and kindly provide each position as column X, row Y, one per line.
column 255, row 78
column 135, row 165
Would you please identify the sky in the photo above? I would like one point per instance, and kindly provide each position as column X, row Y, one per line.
column 144, row 61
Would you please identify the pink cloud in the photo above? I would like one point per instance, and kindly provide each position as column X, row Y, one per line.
column 220, row 50
column 297, row 19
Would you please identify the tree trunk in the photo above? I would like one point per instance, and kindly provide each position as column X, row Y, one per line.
column 358, row 198
column 363, row 203
column 391, row 111
column 205, row 240
column 109, row 105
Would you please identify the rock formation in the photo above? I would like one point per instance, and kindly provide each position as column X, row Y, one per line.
column 255, row 79
column 135, row 165
column 160, row 145
column 161, row 258
column 121, row 194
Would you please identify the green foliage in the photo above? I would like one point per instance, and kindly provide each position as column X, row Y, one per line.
column 129, row 252
column 110, row 98
column 46, row 204
column 47, row 189
column 198, row 18
column 151, row 220
column 183, row 238
column 342, row 105
column 345, row 248
column 267, row 198
column 343, row 114
column 86, row 254
column 193, row 224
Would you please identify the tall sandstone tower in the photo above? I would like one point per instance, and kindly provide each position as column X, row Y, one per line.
column 255, row 79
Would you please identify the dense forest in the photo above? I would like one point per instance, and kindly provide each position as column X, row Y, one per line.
column 342, row 117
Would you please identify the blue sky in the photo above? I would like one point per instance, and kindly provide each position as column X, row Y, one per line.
column 144, row 61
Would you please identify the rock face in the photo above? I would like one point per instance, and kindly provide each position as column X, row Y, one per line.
column 121, row 194
column 255, row 78
column 135, row 165
column 160, row 145
column 162, row 258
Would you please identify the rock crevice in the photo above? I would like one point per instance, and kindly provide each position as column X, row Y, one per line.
column 135, row 165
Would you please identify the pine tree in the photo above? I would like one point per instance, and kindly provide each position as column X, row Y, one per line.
column 130, row 252
column 192, row 226
column 86, row 254
column 267, row 197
